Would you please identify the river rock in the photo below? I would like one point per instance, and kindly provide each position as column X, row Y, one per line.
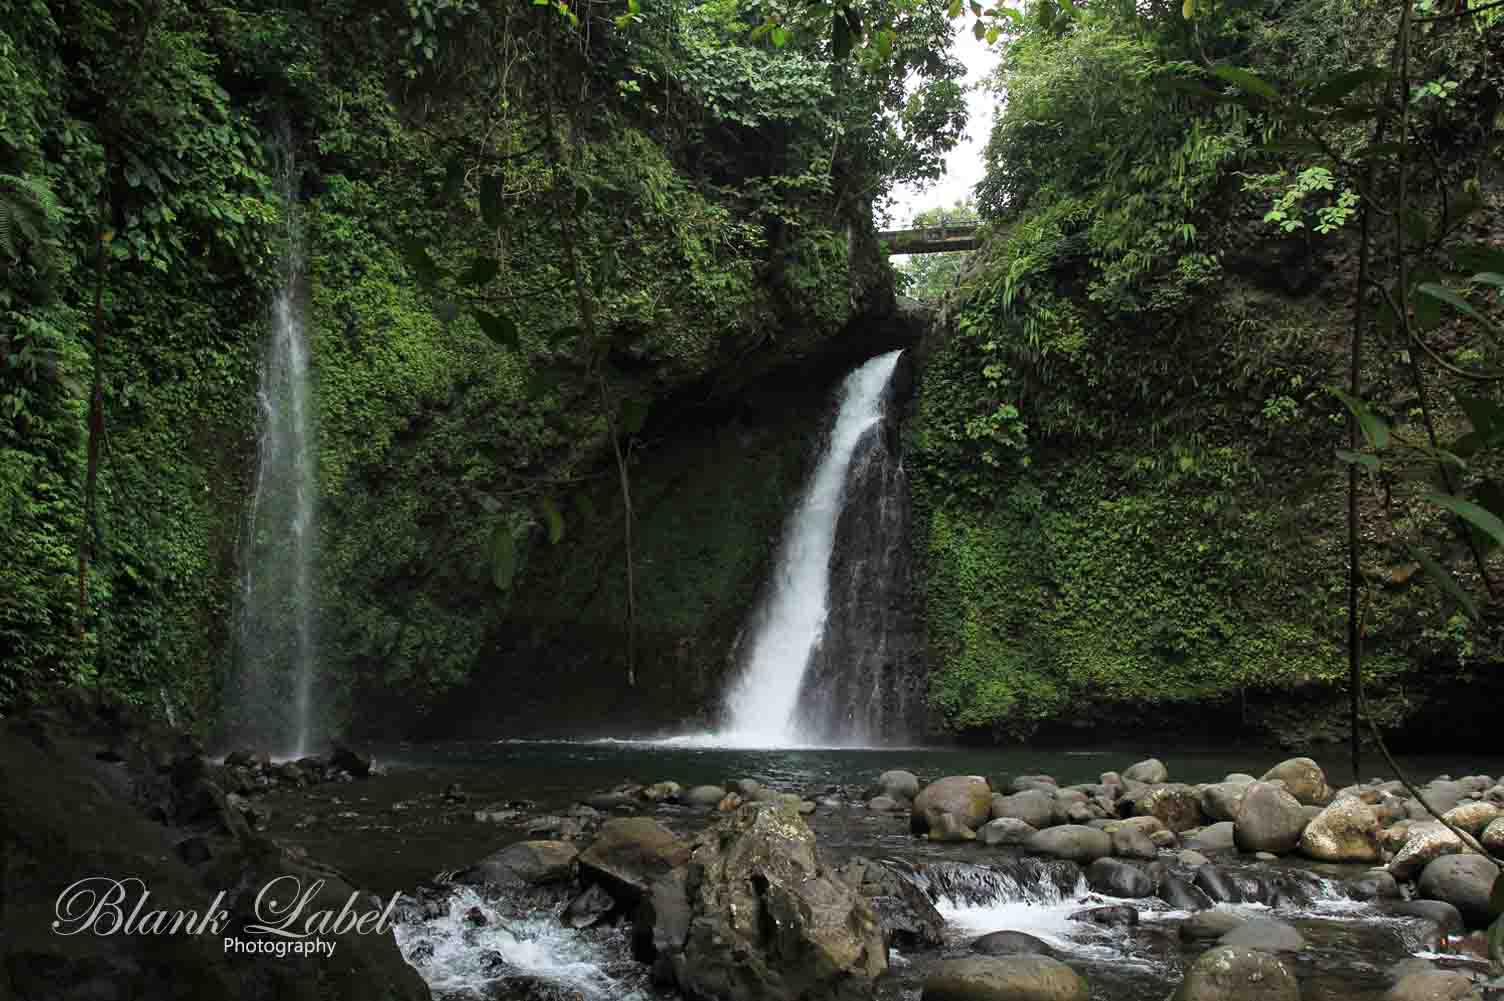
column 587, row 908
column 350, row 760
column 662, row 792
column 1215, row 838
column 1164, row 839
column 1493, row 838
column 1303, row 779
column 1011, row 943
column 1181, row 895
column 1240, row 778
column 948, row 828
column 1071, row 841
column 1446, row 918
column 1217, row 886
column 1221, row 800
column 1177, row 805
column 1192, row 858
column 628, row 853
column 1472, row 817
column 1423, row 843
column 967, row 796
column 1441, row 794
column 1004, row 978
column 884, row 804
column 1270, row 820
column 705, row 796
column 1131, row 842
column 1033, row 807
column 1434, row 985
column 1209, row 924
column 1042, row 783
column 908, row 916
column 1345, row 831
column 535, row 863
column 1376, row 884
column 1006, row 831
column 730, row 802
column 1464, row 881
column 1111, row 916
column 1266, row 935
column 1237, row 973
column 899, row 784
column 1118, row 879
column 1150, row 772
column 769, row 923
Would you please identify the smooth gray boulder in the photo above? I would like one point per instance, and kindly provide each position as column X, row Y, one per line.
column 535, row 863
column 1033, row 807
column 1493, row 838
column 1434, row 985
column 1178, row 806
column 1150, row 772
column 1472, row 817
column 1181, row 895
column 1011, row 943
column 1237, row 973
column 1216, row 885
column 968, row 797
column 948, row 828
column 1270, row 820
column 1376, row 884
column 1131, row 842
column 705, row 796
column 1266, row 935
column 1006, row 831
column 1221, row 800
column 899, row 784
column 628, row 853
column 1071, row 841
column 1345, row 831
column 1004, row 978
column 1424, row 843
column 1119, row 879
column 1464, row 881
column 1215, row 838
column 1446, row 918
column 1303, row 779
column 1209, row 924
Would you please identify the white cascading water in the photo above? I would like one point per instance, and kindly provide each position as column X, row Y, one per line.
column 763, row 705
column 276, row 629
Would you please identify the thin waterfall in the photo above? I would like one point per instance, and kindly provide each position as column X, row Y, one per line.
column 276, row 628
column 763, row 706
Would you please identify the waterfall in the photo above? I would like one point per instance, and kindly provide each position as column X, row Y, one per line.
column 764, row 706
column 276, row 630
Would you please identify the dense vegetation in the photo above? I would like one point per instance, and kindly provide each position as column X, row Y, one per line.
column 1125, row 438
column 524, row 227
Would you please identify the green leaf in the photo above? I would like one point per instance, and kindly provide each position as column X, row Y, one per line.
column 417, row 257
column 585, row 507
column 1246, row 81
column 1375, row 428
column 1452, row 299
column 552, row 519
column 634, row 414
column 954, row 10
column 1443, row 577
column 1489, row 495
column 481, row 271
column 1477, row 257
column 1487, row 278
column 501, row 329
column 1334, row 89
column 979, row 30
column 503, row 551
column 1471, row 512
column 1359, row 459
column 491, row 194
column 780, row 36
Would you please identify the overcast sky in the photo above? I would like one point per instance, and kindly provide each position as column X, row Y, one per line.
column 963, row 167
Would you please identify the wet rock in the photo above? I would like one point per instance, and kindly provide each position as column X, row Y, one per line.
column 705, row 796
column 907, row 914
column 1118, row 879
column 1004, row 978
column 769, row 923
column 1071, row 841
column 1376, row 884
column 1214, row 838
column 1464, row 881
column 745, row 788
column 1209, row 924
column 967, row 796
column 1221, row 800
column 1270, row 820
column 1164, row 839
column 1266, row 935
column 1217, row 886
column 1493, row 838
column 1033, row 807
column 1132, row 842
column 607, row 802
column 1472, row 817
column 1041, row 783
column 1181, row 895
column 1446, row 918
column 899, row 784
column 1345, row 831
column 1236, row 973
column 806, row 807
column 587, row 908
column 661, row 923
column 535, row 863
column 730, row 802
column 1149, row 772
column 948, row 828
column 1423, row 844
column 1111, row 916
column 194, row 850
column 1434, row 985
column 1150, row 825
column 628, row 853
column 1177, row 806
column 348, row 759
column 1303, row 779
column 662, row 792
column 1240, row 778
column 1441, row 794
column 1192, row 858
column 1011, row 943
column 884, row 804
column 1006, row 831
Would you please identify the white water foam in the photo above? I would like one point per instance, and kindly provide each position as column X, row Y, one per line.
column 763, row 704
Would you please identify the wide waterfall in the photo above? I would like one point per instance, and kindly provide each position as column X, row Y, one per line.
column 825, row 659
column 273, row 707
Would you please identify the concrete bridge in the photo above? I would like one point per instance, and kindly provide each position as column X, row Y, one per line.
column 930, row 239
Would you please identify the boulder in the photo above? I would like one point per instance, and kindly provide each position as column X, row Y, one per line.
column 1181, row 895
column 1192, row 858
column 1423, row 844
column 1446, row 918
column 967, row 796
column 1118, row 879
column 1033, row 807
column 884, row 804
column 1071, row 841
column 628, row 853
column 1111, row 916
column 1178, row 806
column 1270, row 820
column 535, row 863
column 350, row 760
column 1215, row 838
column 1011, row 943
column 1221, row 800
column 899, row 784
column 1237, row 973
column 947, row 827
column 1131, row 842
column 1266, row 935
column 1303, row 779
column 661, row 923
column 1043, row 783
column 1149, row 772
column 662, row 792
column 1376, row 884
column 1240, row 778
column 1434, row 985
column 1464, row 881
column 907, row 914
column 1472, row 817
column 1217, row 886
column 1493, row 838
column 1345, row 831
column 1209, row 924
column 588, row 907
column 768, row 922
column 1003, row 978
column 705, row 796
column 1006, row 831
column 1441, row 794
